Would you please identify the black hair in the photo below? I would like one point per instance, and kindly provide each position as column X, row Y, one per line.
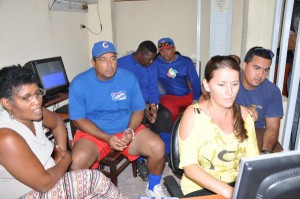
column 260, row 52
column 13, row 77
column 231, row 62
column 147, row 46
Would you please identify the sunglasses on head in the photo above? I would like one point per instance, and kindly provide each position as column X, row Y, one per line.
column 264, row 51
column 164, row 44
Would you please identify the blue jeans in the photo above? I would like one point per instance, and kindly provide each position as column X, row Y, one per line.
column 296, row 115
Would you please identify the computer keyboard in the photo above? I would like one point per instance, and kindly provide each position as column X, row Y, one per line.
column 63, row 109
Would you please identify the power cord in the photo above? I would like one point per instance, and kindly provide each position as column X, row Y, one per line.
column 84, row 26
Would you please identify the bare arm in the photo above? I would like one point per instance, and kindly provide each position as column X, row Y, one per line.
column 136, row 119
column 87, row 126
column 270, row 135
column 195, row 172
column 114, row 142
column 17, row 157
column 54, row 122
column 201, row 177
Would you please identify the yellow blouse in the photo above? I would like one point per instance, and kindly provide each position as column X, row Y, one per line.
column 217, row 153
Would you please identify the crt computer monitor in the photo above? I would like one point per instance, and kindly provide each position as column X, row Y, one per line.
column 256, row 176
column 51, row 74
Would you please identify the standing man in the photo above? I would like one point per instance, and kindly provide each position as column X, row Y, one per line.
column 140, row 64
column 107, row 107
column 177, row 76
column 256, row 91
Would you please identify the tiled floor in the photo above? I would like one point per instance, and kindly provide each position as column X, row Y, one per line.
column 135, row 187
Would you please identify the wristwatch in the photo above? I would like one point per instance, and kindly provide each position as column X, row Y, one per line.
column 265, row 152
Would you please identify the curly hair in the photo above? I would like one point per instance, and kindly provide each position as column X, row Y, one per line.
column 13, row 77
column 218, row 62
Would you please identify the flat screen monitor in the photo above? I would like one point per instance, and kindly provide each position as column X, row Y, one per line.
column 51, row 74
column 255, row 173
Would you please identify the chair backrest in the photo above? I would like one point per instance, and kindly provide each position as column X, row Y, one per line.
column 174, row 152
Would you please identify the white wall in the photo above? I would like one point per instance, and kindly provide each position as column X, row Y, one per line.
column 258, row 29
column 93, row 23
column 30, row 31
column 137, row 21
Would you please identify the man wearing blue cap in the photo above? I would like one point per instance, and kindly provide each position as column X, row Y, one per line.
column 178, row 77
column 107, row 107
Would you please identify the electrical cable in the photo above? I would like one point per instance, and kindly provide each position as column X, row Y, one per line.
column 99, row 22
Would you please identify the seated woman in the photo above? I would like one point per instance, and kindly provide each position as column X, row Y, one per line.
column 27, row 169
column 214, row 134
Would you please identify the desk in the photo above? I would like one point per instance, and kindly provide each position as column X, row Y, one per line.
column 61, row 97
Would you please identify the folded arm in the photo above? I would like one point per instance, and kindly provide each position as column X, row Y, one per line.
column 57, row 125
column 17, row 157
column 204, row 179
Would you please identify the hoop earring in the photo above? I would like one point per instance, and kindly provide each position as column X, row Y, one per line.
column 11, row 115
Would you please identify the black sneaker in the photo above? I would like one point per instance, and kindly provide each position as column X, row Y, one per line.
column 142, row 170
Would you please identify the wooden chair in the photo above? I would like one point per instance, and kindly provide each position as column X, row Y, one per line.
column 116, row 163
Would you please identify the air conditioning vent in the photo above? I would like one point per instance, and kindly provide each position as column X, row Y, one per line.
column 70, row 5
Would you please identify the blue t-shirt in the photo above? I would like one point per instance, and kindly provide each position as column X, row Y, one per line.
column 267, row 99
column 108, row 104
column 174, row 76
column 147, row 77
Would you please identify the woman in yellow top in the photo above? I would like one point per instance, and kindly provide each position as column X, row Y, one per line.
column 214, row 134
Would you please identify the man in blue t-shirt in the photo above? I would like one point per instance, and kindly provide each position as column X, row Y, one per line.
column 107, row 107
column 256, row 91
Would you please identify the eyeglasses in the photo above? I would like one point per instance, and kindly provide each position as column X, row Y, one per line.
column 164, row 44
column 264, row 51
column 38, row 94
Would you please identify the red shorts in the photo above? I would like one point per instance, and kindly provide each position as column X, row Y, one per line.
column 103, row 147
column 175, row 103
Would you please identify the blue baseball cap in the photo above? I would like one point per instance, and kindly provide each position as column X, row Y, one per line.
column 165, row 43
column 103, row 47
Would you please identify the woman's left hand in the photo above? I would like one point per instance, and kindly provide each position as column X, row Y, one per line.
column 59, row 153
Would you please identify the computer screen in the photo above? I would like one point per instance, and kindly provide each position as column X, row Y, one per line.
column 51, row 74
column 254, row 170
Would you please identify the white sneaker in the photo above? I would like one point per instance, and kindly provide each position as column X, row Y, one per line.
column 158, row 191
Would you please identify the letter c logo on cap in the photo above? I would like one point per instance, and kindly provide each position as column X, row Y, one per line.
column 105, row 45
